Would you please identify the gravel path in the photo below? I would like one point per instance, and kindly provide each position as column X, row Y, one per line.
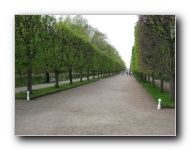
column 118, row 105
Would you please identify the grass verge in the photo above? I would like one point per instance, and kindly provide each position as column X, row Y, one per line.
column 156, row 94
column 45, row 91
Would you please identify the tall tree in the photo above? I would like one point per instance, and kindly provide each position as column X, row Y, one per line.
column 52, row 46
column 27, row 44
column 80, row 27
column 164, row 27
column 154, row 50
column 135, row 54
column 70, row 44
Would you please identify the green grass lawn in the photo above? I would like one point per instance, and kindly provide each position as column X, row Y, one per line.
column 155, row 92
column 45, row 91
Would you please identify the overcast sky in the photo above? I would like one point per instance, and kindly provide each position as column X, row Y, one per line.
column 119, row 29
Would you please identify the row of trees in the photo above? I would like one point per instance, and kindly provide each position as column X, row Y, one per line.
column 80, row 26
column 42, row 42
column 153, row 52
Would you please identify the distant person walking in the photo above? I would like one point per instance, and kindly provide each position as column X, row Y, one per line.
column 47, row 77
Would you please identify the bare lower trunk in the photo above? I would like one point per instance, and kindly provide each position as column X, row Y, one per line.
column 148, row 78
column 29, row 80
column 87, row 74
column 138, row 74
column 80, row 75
column 172, row 86
column 20, row 72
column 144, row 77
column 93, row 74
column 141, row 76
column 153, row 82
column 56, row 79
column 161, row 84
column 70, row 76
column 172, row 72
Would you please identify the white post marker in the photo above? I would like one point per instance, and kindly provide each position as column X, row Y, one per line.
column 28, row 97
column 159, row 104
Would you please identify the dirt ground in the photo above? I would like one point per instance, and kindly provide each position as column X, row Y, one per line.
column 118, row 105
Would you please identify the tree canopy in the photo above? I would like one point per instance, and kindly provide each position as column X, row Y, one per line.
column 154, row 48
column 42, row 42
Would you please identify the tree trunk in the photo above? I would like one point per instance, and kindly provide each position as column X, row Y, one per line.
column 80, row 75
column 144, row 77
column 70, row 76
column 56, row 79
column 172, row 72
column 93, row 74
column 141, row 76
column 87, row 74
column 161, row 84
column 148, row 78
column 98, row 74
column 29, row 80
column 20, row 72
column 153, row 82
column 172, row 86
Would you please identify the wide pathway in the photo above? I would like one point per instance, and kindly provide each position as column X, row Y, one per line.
column 118, row 105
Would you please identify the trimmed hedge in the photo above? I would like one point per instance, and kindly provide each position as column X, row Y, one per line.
column 40, row 79
column 22, row 80
column 76, row 75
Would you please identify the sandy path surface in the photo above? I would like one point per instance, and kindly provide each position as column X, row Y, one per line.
column 118, row 105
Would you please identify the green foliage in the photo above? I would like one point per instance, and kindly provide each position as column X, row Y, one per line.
column 27, row 41
column 154, row 51
column 75, row 75
column 22, row 80
column 36, row 79
column 94, row 37
column 135, row 52
column 43, row 43
column 41, row 78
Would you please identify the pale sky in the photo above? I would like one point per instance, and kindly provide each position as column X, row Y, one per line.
column 119, row 30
